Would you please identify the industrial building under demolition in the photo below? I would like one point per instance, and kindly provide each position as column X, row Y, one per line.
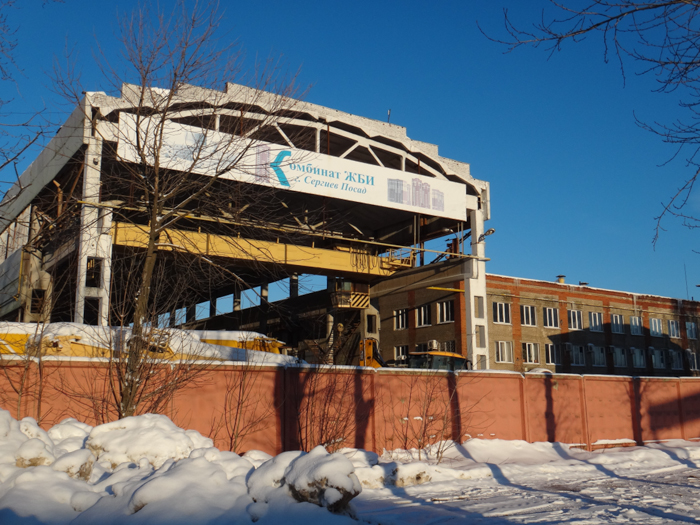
column 245, row 188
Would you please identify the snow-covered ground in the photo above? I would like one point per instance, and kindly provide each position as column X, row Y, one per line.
column 147, row 470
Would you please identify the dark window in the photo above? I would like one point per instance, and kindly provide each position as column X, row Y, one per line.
column 93, row 273
column 38, row 297
column 371, row 324
column 91, row 311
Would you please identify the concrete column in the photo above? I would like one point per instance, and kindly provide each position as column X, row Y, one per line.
column 94, row 239
column 475, row 286
column 264, row 308
column 237, row 300
column 294, row 285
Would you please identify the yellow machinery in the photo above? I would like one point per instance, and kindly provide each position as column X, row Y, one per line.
column 432, row 360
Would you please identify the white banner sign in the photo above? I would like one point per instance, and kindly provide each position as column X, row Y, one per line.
column 191, row 149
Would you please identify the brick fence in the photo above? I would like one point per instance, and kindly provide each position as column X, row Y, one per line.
column 275, row 409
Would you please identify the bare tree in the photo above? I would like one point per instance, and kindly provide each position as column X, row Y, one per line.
column 172, row 163
column 662, row 37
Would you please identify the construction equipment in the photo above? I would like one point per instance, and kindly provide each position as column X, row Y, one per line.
column 431, row 360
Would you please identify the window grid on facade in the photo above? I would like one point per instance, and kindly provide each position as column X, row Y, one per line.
column 692, row 359
column 423, row 315
column 575, row 319
column 552, row 354
column 655, row 327
column 674, row 328
column 401, row 352
column 619, row 357
column 598, row 355
column 421, row 347
column 691, row 330
column 676, row 359
column 636, row 327
column 501, row 313
column 446, row 311
column 504, row 352
column 400, row 319
column 527, row 315
column 658, row 359
column 638, row 360
column 617, row 324
column 449, row 346
column 531, row 353
column 550, row 317
column 578, row 357
column 595, row 321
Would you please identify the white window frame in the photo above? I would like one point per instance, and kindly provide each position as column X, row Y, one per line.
column 531, row 353
column 692, row 359
column 528, row 315
column 617, row 323
column 676, row 359
column 619, row 357
column 595, row 321
column 401, row 352
column 674, row 329
column 575, row 318
column 504, row 352
column 638, row 358
column 501, row 313
column 598, row 356
column 691, row 330
column 552, row 354
column 656, row 327
column 401, row 319
column 658, row 358
column 423, row 316
column 578, row 356
column 550, row 317
column 636, row 325
column 446, row 311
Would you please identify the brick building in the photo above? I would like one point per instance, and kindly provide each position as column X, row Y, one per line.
column 526, row 324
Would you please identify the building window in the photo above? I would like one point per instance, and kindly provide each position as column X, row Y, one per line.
column 578, row 357
column 598, row 355
column 423, row 315
column 527, row 315
column 531, row 353
column 91, row 311
column 504, row 352
column 656, row 327
column 422, row 347
column 638, row 360
column 595, row 321
column 676, row 360
column 692, row 359
column 501, row 313
column 449, row 346
column 691, row 330
column 619, row 357
column 636, row 325
column 400, row 319
column 575, row 320
column 658, row 359
column 617, row 324
column 401, row 353
column 38, row 299
column 551, row 317
column 371, row 324
column 480, row 333
column 93, row 273
column 552, row 354
column 478, row 307
column 446, row 311
column 674, row 329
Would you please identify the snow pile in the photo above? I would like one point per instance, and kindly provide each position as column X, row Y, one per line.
column 145, row 469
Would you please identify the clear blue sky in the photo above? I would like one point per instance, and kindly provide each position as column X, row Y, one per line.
column 575, row 184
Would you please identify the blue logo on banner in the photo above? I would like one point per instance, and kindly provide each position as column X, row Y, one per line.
column 275, row 165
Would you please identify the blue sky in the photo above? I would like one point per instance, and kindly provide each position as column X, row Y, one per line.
column 575, row 183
